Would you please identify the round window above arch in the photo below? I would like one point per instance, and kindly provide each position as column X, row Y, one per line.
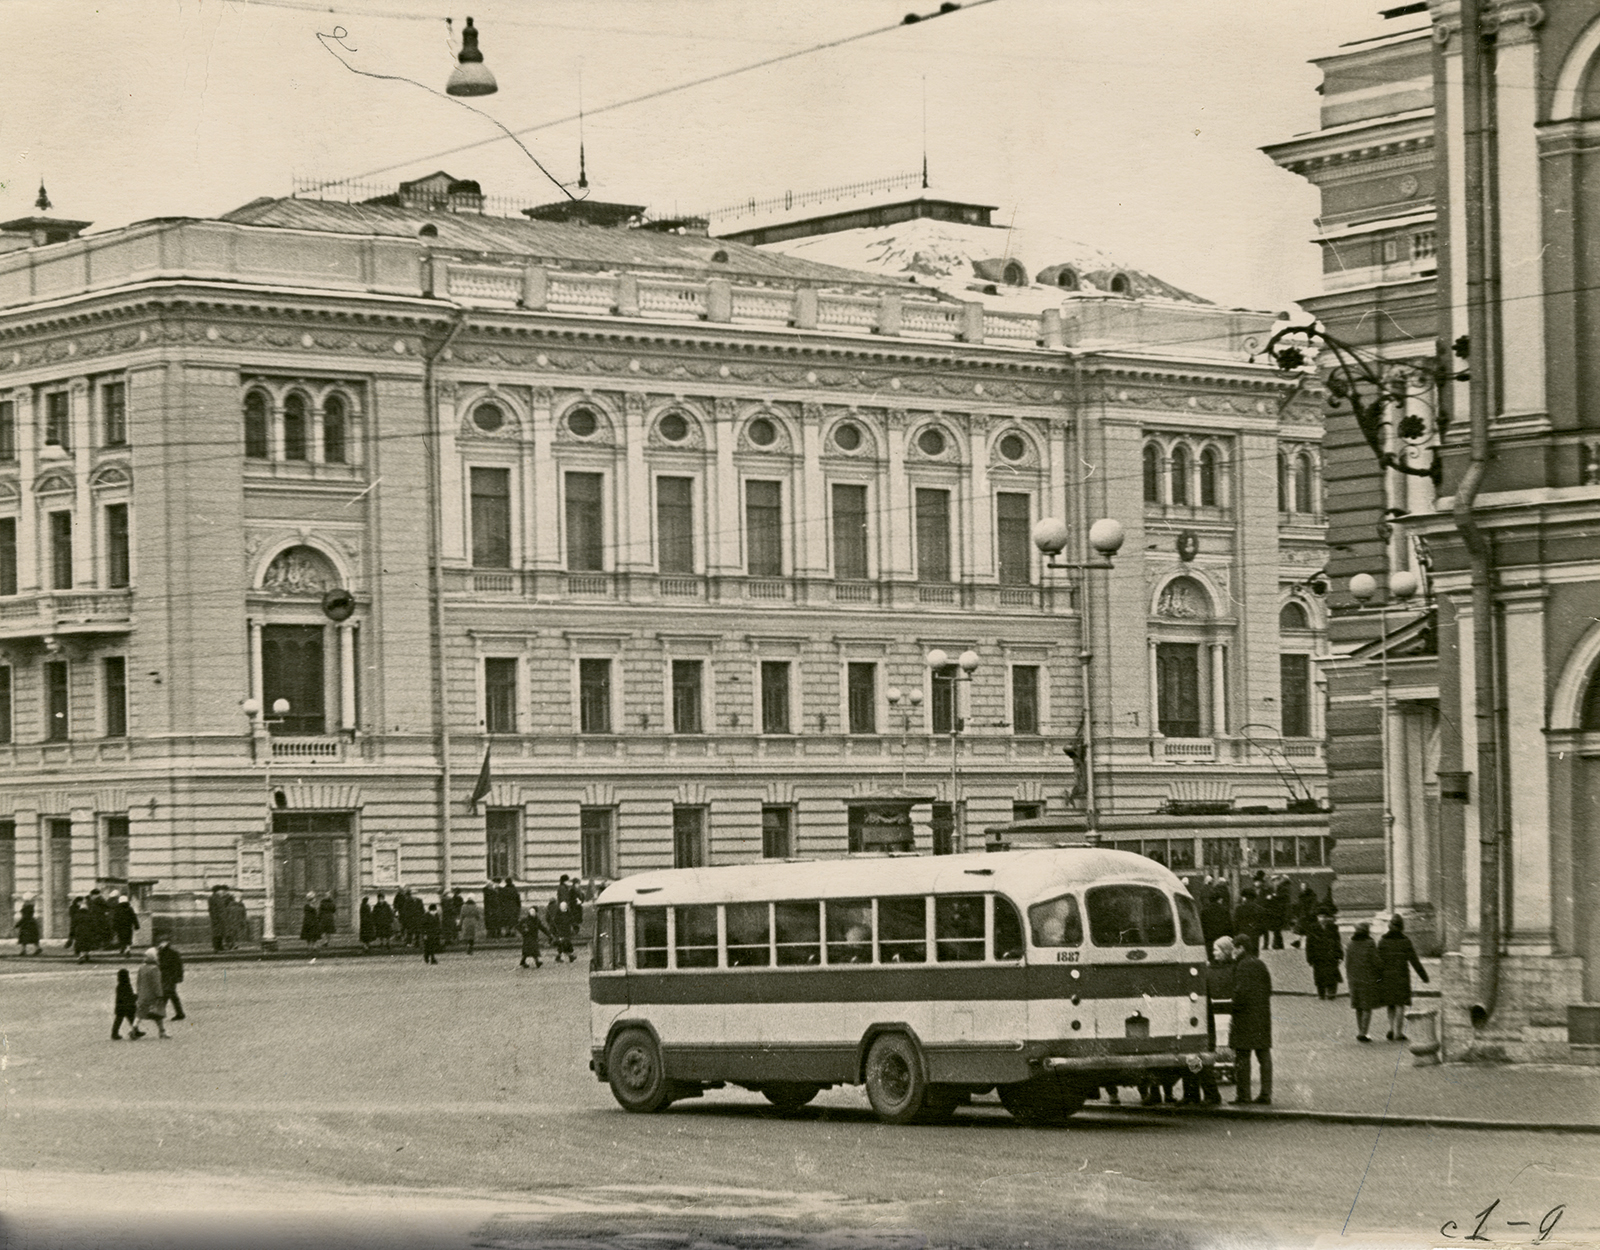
column 582, row 422
column 932, row 442
column 489, row 417
column 762, row 432
column 847, row 436
column 1013, row 447
column 674, row 427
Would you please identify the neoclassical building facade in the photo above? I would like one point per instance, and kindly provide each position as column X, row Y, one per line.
column 317, row 516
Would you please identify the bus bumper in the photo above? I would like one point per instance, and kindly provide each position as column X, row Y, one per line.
column 1191, row 1061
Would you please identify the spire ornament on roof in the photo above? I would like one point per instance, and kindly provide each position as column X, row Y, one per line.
column 43, row 202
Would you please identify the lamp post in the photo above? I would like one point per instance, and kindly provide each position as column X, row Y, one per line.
column 260, row 727
column 1105, row 537
column 1363, row 586
column 968, row 663
column 913, row 702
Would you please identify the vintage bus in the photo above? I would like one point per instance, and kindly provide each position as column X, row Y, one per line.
column 1039, row 974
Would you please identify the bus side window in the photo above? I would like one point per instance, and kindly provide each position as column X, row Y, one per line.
column 849, row 930
column 799, row 933
column 749, row 936
column 610, row 948
column 1007, row 930
column 1189, row 921
column 696, row 936
column 958, row 928
column 650, row 937
column 902, row 930
column 1056, row 922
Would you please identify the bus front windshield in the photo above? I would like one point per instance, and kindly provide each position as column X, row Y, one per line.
column 1130, row 915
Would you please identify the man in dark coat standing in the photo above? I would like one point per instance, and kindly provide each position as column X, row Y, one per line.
column 1364, row 970
column 124, row 920
column 1249, row 917
column 93, row 929
column 217, row 908
column 1250, row 1032
column 430, row 927
column 1325, row 952
column 1216, row 916
column 1397, row 956
column 171, row 965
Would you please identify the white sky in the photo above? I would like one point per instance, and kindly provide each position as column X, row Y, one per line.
column 1132, row 125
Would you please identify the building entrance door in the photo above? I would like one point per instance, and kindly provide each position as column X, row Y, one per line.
column 60, row 839
column 313, row 857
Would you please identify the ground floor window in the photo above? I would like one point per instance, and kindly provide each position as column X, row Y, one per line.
column 688, row 837
column 117, row 847
column 595, row 829
column 503, row 836
column 777, row 832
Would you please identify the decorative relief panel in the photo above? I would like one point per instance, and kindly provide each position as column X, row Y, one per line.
column 300, row 572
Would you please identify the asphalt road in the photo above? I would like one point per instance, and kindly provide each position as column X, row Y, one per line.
column 383, row 1102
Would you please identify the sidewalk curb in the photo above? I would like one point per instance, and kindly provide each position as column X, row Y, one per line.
column 1360, row 1117
column 109, row 959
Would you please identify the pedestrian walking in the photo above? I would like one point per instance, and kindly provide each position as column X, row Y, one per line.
column 1216, row 915
column 1397, row 957
column 217, row 909
column 1275, row 911
column 171, row 965
column 364, row 925
column 124, row 920
column 430, row 934
column 468, row 920
column 1325, row 952
column 91, row 930
column 1250, row 1029
column 382, row 922
column 559, row 918
column 529, row 925
column 151, row 996
column 236, row 926
column 1249, row 917
column 1219, row 1002
column 1307, row 908
column 510, row 906
column 1363, row 969
column 310, row 921
column 327, row 917
column 28, row 929
column 127, row 1004
column 491, row 909
column 450, row 916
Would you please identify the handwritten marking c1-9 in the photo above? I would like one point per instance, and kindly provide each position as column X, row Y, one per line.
column 1547, row 1225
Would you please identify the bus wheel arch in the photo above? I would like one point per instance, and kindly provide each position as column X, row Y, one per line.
column 896, row 1076
column 634, row 1068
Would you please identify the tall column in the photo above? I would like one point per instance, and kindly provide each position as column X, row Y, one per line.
column 1519, row 237
column 542, row 508
column 631, row 513
column 1155, row 692
column 83, row 520
column 811, row 499
column 1397, row 805
column 256, row 690
column 978, row 510
column 28, row 568
column 347, row 674
column 728, row 524
column 897, row 514
column 1528, row 770
column 1219, row 689
column 1467, row 727
column 451, row 505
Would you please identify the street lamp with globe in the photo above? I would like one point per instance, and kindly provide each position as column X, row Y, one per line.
column 261, row 728
column 967, row 662
column 913, row 701
column 1105, row 539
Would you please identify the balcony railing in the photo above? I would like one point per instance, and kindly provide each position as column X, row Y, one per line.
column 330, row 750
column 66, row 612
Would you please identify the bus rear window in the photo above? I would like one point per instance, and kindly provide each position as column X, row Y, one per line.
column 1189, row 921
column 1056, row 922
column 650, row 937
column 1007, row 930
column 902, row 930
column 958, row 928
column 1130, row 915
column 696, row 936
column 849, row 930
column 799, row 933
column 610, row 946
column 749, row 936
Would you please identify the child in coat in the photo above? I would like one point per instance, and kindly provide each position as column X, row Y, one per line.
column 127, row 1004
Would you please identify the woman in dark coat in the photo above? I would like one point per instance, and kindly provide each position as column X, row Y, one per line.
column 310, row 921
column 1363, row 968
column 1216, row 916
column 92, row 930
column 28, row 930
column 1325, row 952
column 364, row 927
column 124, row 920
column 1397, row 957
column 559, row 917
column 382, row 922
column 1306, row 910
column 529, row 924
column 327, row 917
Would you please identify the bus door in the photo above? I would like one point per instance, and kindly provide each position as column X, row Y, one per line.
column 608, row 969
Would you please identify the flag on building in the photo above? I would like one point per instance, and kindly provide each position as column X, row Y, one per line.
column 481, row 790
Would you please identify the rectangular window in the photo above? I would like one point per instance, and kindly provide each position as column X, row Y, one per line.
column 903, row 930
column 776, row 832
column 1294, row 693
column 958, row 928
column 585, row 522
column 1178, row 688
column 942, row 710
column 1026, row 811
column 849, row 930
column 334, row 440
column 763, row 524
column 1024, row 699
column 695, row 936
column 861, row 688
column 500, row 696
column 8, row 431
column 849, row 532
column 1424, row 244
column 503, row 842
column 688, row 837
column 798, row 929
column 933, row 535
column 8, row 555
column 594, row 831
column 117, row 570
column 942, row 825
column 61, row 551
column 114, row 414
column 749, row 935
column 650, row 937
column 114, row 687
column 5, row 703
column 491, row 518
column 291, row 669
column 1014, row 534
column 57, row 721
column 775, row 697
column 594, row 696
column 675, row 524
column 57, row 421
column 686, row 696
column 117, row 847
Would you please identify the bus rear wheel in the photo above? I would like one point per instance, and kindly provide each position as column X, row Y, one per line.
column 1043, row 1101
column 634, row 1070
column 896, row 1086
column 789, row 1095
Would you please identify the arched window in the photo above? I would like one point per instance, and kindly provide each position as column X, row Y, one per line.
column 257, row 446
column 294, row 428
column 1589, row 718
column 1283, row 482
column 1067, row 280
column 1120, row 284
column 1302, row 484
column 1208, row 478
column 333, row 430
column 1180, row 474
column 1292, row 616
column 1152, row 473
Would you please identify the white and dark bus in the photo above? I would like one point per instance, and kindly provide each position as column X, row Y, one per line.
column 1040, row 974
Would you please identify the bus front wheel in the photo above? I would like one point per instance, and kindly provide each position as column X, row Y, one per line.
column 896, row 1086
column 633, row 1067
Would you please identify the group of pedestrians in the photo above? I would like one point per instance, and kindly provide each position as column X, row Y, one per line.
column 560, row 921
column 1265, row 909
column 146, row 999
column 95, row 922
column 319, row 919
column 230, row 923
